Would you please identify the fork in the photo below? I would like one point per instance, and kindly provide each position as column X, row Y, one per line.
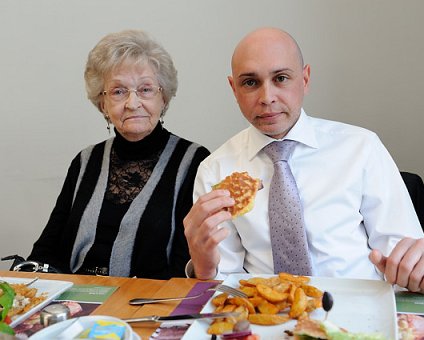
column 218, row 288
column 32, row 281
column 26, row 284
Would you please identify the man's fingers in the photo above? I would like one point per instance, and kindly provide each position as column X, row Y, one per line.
column 405, row 264
column 396, row 268
column 409, row 267
column 208, row 205
column 416, row 277
column 204, row 224
column 209, row 233
column 377, row 258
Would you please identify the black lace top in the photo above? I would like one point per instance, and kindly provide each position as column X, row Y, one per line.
column 131, row 164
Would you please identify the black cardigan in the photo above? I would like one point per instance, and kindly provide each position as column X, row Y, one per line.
column 149, row 259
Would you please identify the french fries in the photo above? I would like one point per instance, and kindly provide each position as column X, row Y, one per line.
column 271, row 301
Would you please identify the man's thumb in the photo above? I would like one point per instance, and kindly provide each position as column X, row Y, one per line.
column 377, row 258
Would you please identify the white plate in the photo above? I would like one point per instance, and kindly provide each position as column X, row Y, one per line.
column 359, row 306
column 50, row 288
column 54, row 331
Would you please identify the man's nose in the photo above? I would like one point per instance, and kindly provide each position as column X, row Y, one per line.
column 267, row 94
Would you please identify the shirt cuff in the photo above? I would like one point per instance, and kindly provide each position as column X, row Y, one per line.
column 189, row 272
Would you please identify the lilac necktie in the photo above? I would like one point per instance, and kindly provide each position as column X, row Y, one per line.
column 288, row 238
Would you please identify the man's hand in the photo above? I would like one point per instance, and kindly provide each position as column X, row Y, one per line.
column 202, row 231
column 404, row 266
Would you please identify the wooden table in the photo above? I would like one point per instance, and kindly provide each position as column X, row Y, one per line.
column 117, row 305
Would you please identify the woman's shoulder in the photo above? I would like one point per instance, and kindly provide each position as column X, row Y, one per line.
column 89, row 148
column 83, row 155
column 192, row 145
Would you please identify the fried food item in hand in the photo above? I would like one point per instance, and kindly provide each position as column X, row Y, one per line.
column 243, row 189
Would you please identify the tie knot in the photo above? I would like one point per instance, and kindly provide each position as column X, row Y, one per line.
column 281, row 150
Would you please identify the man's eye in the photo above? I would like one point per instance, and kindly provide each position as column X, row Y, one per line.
column 280, row 79
column 249, row 82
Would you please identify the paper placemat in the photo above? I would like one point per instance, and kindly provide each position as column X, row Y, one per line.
column 168, row 331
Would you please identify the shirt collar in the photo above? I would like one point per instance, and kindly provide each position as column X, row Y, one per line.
column 303, row 132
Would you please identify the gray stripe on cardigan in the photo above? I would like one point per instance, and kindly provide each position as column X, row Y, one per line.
column 86, row 233
column 181, row 174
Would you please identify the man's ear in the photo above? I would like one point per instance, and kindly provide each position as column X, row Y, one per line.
column 306, row 78
column 231, row 82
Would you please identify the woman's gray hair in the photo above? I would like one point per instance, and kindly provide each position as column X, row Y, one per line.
column 116, row 48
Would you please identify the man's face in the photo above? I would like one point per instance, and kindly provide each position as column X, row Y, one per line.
column 269, row 82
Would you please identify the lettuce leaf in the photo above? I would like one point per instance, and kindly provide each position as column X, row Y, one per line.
column 6, row 302
column 335, row 333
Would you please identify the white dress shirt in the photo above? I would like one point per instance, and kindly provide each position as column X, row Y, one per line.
column 353, row 197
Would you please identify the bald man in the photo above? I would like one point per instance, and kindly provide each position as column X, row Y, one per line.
column 359, row 219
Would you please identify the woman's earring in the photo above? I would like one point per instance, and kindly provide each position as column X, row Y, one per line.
column 108, row 122
column 161, row 116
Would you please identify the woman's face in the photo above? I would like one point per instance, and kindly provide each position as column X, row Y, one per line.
column 134, row 117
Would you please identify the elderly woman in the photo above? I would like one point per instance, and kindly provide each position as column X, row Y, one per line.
column 122, row 205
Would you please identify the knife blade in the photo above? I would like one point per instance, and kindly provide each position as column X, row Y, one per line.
column 195, row 316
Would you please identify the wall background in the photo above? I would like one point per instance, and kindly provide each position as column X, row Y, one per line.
column 367, row 69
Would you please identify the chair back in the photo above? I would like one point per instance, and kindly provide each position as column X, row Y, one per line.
column 415, row 186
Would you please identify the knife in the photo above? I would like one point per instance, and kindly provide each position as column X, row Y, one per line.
column 196, row 316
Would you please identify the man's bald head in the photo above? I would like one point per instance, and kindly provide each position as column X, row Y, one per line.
column 266, row 35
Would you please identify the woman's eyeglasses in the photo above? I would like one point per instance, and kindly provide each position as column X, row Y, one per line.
column 120, row 94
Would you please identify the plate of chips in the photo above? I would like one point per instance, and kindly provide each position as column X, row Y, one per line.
column 360, row 306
